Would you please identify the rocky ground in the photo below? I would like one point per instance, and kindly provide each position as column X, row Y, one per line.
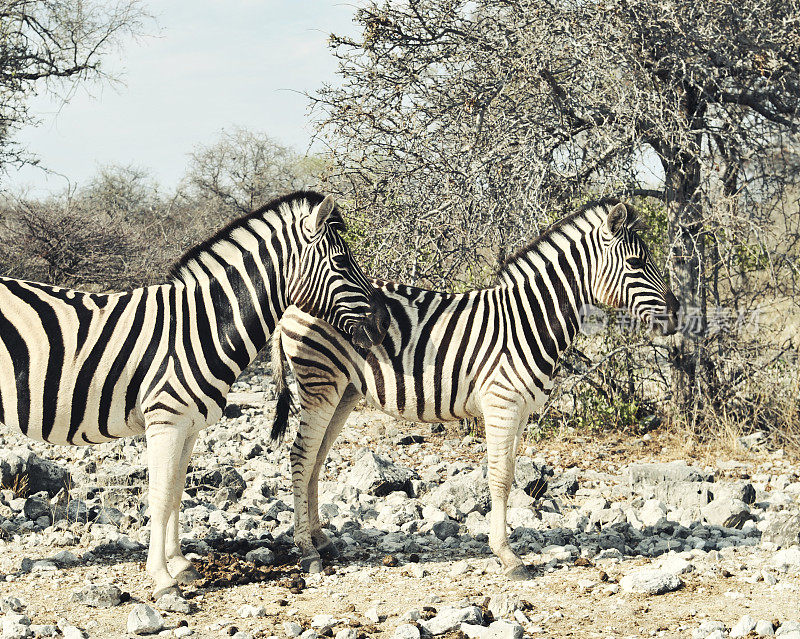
column 623, row 537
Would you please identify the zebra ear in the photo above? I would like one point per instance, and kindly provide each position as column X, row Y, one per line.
column 617, row 218
column 321, row 214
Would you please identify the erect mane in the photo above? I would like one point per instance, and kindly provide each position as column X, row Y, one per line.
column 312, row 197
column 559, row 225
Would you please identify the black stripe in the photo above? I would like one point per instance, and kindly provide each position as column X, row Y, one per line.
column 419, row 351
column 118, row 366
column 135, row 383
column 90, row 367
column 443, row 352
column 216, row 366
column 20, row 362
column 208, row 389
column 462, row 349
column 55, row 359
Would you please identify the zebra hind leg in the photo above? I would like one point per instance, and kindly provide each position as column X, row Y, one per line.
column 322, row 543
column 180, row 567
column 313, row 424
column 165, row 443
column 503, row 424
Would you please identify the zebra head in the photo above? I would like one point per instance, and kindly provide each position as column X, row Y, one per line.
column 628, row 277
column 329, row 284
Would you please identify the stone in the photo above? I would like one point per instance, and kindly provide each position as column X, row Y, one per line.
column 16, row 626
column 182, row 631
column 453, row 493
column 787, row 559
column 98, row 596
column 347, row 633
column 654, row 474
column 653, row 511
column 743, row 627
column 24, row 467
column 143, row 620
column 448, row 619
column 731, row 513
column 37, row 506
column 11, row 604
column 372, row 615
column 781, row 529
column 172, row 602
column 65, row 558
column 379, row 476
column 706, row 628
column 248, row 610
column 404, row 631
column 675, row 565
column 503, row 629
column 321, row 621
column 292, row 629
column 504, row 604
column 530, row 477
column 764, row 628
column 222, row 477
column 650, row 581
column 261, row 556
column 445, row 529
column 682, row 494
column 564, row 485
column 72, row 632
column 474, row 631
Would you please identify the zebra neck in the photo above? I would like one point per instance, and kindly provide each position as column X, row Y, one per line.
column 552, row 290
column 233, row 311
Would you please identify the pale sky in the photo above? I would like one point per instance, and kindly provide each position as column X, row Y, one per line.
column 209, row 65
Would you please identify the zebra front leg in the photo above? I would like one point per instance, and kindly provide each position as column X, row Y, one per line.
column 165, row 443
column 503, row 425
column 180, row 567
column 322, row 543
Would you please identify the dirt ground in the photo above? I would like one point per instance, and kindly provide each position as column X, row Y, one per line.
column 570, row 601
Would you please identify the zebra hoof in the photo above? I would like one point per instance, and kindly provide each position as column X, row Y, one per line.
column 311, row 564
column 169, row 590
column 329, row 550
column 188, row 575
column 519, row 573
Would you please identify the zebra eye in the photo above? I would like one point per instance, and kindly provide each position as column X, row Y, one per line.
column 635, row 263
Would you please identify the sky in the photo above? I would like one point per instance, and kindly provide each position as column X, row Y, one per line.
column 206, row 65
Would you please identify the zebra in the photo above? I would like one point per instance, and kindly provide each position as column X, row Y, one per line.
column 83, row 368
column 491, row 353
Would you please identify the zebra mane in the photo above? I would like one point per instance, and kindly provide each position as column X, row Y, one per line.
column 633, row 222
column 312, row 197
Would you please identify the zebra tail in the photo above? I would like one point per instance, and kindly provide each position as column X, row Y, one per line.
column 284, row 405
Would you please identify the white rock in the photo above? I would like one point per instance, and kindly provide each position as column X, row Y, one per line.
column 717, row 634
column 475, row 631
column 182, row 631
column 347, row 633
column 248, row 610
column 44, row 630
column 71, row 632
column 292, row 629
column 706, row 628
column 675, row 565
column 448, row 619
column 16, row 626
column 372, row 615
column 309, row 634
column 143, row 620
column 11, row 604
column 405, row 631
column 320, row 621
column 743, row 627
column 503, row 605
column 650, row 581
column 764, row 628
column 787, row 559
column 653, row 511
column 172, row 602
column 503, row 629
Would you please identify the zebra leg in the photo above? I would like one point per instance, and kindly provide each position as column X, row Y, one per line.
column 321, row 541
column 503, row 425
column 313, row 425
column 180, row 567
column 165, row 443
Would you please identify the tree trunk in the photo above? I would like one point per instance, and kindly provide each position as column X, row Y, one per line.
column 687, row 243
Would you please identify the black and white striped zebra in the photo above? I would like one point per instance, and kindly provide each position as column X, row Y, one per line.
column 82, row 368
column 490, row 353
